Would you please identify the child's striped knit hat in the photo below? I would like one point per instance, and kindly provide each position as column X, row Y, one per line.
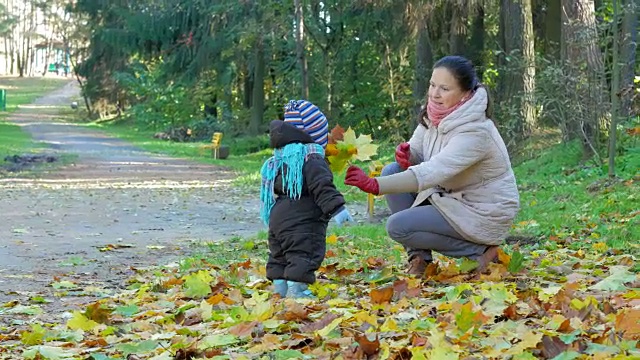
column 307, row 117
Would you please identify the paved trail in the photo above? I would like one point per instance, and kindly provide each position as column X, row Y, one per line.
column 54, row 227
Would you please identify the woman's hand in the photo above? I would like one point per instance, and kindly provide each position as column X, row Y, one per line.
column 403, row 152
column 357, row 177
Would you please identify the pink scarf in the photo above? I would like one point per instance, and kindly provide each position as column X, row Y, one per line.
column 438, row 112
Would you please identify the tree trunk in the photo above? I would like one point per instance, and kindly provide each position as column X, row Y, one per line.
column 211, row 107
column 457, row 32
column 476, row 44
column 615, row 87
column 424, row 63
column 553, row 29
column 227, row 99
column 6, row 55
column 629, row 47
column 580, row 52
column 51, row 26
column 392, row 87
column 529, row 71
column 518, row 78
column 597, row 4
column 328, row 65
column 579, row 16
column 300, row 47
column 12, row 41
column 257, row 108
column 32, row 27
column 22, row 46
column 87, row 101
column 13, row 60
column 19, row 65
column 247, row 86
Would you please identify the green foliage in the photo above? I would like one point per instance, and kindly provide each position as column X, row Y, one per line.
column 517, row 262
column 628, row 140
column 157, row 104
column 557, row 95
column 192, row 46
column 249, row 145
column 165, row 61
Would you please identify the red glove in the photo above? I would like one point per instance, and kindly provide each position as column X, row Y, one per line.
column 357, row 177
column 403, row 152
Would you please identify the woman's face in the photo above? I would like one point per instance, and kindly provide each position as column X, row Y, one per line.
column 444, row 89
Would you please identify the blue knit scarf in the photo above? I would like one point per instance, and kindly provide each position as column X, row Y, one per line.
column 293, row 156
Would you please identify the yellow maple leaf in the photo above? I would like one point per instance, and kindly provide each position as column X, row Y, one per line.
column 79, row 321
column 364, row 316
column 389, row 325
column 529, row 340
column 441, row 348
column 467, row 317
column 324, row 332
column 349, row 148
column 362, row 144
column 332, row 239
column 270, row 342
column 262, row 311
column 340, row 156
column 600, row 247
column 331, row 150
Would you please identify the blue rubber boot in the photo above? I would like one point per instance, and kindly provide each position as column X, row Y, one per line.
column 280, row 287
column 298, row 290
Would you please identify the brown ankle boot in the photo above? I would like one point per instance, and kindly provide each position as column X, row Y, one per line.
column 417, row 266
column 490, row 255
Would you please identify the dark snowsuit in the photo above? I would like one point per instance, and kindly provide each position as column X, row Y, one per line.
column 298, row 227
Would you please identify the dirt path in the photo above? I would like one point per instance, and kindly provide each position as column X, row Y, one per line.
column 56, row 230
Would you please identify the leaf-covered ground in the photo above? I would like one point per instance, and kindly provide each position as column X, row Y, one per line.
column 537, row 303
column 571, row 297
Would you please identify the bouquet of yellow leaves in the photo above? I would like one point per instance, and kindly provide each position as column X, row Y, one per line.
column 344, row 147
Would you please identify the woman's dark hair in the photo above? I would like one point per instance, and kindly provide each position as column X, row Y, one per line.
column 462, row 69
column 464, row 72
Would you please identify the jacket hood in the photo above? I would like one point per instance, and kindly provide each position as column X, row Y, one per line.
column 282, row 133
column 473, row 110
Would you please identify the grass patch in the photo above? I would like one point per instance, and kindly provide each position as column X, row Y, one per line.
column 25, row 90
column 565, row 201
column 13, row 140
column 21, row 91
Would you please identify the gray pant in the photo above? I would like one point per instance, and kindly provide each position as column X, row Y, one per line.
column 423, row 229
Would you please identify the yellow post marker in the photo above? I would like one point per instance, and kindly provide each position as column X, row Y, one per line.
column 216, row 139
column 374, row 170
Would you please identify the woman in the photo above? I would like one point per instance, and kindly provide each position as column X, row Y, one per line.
column 459, row 196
